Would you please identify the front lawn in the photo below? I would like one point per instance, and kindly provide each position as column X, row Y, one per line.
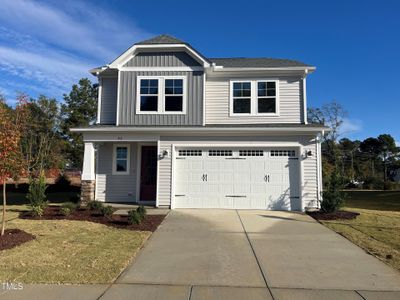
column 377, row 227
column 67, row 251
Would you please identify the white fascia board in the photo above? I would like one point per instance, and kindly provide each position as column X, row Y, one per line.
column 201, row 129
column 178, row 69
column 122, row 59
column 304, row 69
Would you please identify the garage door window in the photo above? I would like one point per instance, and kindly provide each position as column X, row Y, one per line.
column 190, row 153
column 251, row 153
column 220, row 153
column 289, row 153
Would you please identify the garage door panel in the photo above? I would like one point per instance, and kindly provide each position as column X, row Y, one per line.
column 251, row 180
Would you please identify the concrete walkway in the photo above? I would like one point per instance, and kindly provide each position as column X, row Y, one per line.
column 228, row 254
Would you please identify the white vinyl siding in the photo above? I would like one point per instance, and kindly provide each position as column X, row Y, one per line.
column 217, row 103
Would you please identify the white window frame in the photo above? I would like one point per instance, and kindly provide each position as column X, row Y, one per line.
column 161, row 95
column 254, row 98
column 128, row 159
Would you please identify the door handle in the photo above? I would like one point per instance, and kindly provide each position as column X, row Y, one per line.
column 266, row 178
column 204, row 177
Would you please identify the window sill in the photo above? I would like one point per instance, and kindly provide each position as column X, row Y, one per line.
column 159, row 113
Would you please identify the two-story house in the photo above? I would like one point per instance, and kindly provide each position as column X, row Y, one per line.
column 181, row 130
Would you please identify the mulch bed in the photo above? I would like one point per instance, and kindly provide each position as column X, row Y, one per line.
column 13, row 238
column 338, row 215
column 149, row 223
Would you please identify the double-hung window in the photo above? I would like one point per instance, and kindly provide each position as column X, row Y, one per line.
column 161, row 95
column 121, row 158
column 254, row 97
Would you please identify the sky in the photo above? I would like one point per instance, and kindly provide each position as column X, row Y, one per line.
column 46, row 46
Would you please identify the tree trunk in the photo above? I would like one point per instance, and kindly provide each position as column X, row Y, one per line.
column 3, row 224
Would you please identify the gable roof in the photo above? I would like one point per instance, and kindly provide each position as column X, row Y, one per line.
column 256, row 62
column 161, row 39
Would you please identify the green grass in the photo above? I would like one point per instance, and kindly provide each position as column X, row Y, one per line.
column 377, row 229
column 68, row 251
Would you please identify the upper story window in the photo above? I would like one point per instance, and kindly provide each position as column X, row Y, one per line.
column 161, row 95
column 254, row 97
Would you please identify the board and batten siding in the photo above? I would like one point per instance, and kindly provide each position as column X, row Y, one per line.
column 108, row 108
column 115, row 188
column 162, row 59
column 127, row 100
column 218, row 100
column 309, row 164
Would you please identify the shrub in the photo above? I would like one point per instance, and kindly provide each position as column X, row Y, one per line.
column 107, row 211
column 37, row 193
column 141, row 210
column 65, row 211
column 37, row 210
column 72, row 206
column 134, row 217
column 95, row 205
column 62, row 180
column 75, row 198
column 333, row 196
column 373, row 183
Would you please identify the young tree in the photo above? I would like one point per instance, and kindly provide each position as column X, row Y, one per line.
column 79, row 110
column 11, row 162
column 41, row 142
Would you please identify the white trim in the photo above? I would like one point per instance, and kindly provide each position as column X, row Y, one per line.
column 155, row 129
column 99, row 101
column 128, row 54
column 118, row 97
column 161, row 95
column 319, row 171
column 96, row 167
column 305, row 100
column 204, row 99
column 158, row 172
column 139, row 174
column 175, row 69
column 254, row 98
column 301, row 171
column 88, row 168
column 172, row 196
column 128, row 159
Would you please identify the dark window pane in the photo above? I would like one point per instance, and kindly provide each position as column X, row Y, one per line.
column 169, row 82
column 173, row 103
column 237, row 86
column 246, row 93
column 266, row 105
column 153, row 90
column 169, row 90
column 121, row 165
column 178, row 83
column 154, row 82
column 262, row 85
column 178, row 90
column 270, row 92
column 122, row 152
column 144, row 90
column 241, row 106
column 237, row 93
column 148, row 103
column 271, row 85
column 262, row 92
column 246, row 85
column 144, row 82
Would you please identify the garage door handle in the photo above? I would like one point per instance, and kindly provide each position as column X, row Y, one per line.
column 236, row 196
column 204, row 177
column 266, row 178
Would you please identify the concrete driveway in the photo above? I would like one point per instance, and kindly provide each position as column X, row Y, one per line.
column 228, row 254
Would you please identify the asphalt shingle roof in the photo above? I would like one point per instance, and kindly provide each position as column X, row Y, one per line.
column 259, row 62
column 161, row 39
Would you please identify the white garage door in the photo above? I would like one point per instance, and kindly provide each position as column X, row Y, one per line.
column 237, row 178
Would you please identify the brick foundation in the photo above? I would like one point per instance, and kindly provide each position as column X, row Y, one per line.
column 87, row 191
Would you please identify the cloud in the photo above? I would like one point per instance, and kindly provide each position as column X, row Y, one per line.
column 46, row 47
column 350, row 126
column 397, row 144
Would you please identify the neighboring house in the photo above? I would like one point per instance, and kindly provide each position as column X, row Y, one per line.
column 177, row 129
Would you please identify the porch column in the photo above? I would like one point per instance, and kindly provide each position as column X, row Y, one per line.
column 88, row 180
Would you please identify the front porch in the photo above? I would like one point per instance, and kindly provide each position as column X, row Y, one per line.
column 120, row 172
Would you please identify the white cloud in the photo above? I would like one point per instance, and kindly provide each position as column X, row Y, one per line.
column 350, row 126
column 397, row 144
column 50, row 46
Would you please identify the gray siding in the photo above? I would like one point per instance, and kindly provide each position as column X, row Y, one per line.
column 127, row 100
column 115, row 188
column 309, row 164
column 162, row 59
column 108, row 109
column 218, row 101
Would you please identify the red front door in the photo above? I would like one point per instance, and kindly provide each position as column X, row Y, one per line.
column 148, row 173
